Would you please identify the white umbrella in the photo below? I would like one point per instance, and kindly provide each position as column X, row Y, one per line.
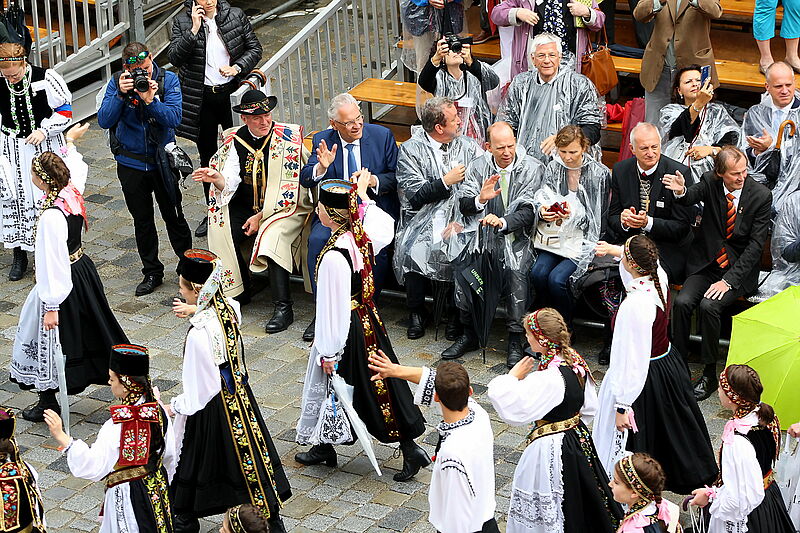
column 61, row 363
column 345, row 394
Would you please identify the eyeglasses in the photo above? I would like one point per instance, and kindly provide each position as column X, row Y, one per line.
column 542, row 57
column 141, row 56
column 350, row 123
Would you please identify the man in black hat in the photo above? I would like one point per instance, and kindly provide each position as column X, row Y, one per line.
column 257, row 193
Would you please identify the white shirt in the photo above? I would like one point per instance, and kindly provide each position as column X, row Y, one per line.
column 736, row 194
column 443, row 162
column 461, row 497
column 217, row 55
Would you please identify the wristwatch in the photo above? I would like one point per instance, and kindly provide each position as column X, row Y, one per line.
column 621, row 410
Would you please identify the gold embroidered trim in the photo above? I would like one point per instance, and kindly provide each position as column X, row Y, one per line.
column 543, row 428
column 73, row 257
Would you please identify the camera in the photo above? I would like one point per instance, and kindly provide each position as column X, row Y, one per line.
column 455, row 42
column 141, row 79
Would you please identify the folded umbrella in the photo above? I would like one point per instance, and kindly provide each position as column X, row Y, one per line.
column 61, row 363
column 345, row 394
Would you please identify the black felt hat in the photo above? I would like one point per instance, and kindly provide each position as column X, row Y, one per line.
column 335, row 193
column 8, row 423
column 129, row 360
column 255, row 102
column 197, row 265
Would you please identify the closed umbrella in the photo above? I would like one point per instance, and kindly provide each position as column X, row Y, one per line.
column 345, row 394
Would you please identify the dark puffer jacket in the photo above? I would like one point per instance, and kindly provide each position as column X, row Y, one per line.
column 188, row 53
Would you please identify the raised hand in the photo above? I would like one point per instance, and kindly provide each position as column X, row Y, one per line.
column 325, row 157
column 522, row 368
column 674, row 182
column 488, row 190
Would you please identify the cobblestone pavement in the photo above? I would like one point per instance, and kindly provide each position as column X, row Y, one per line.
column 349, row 498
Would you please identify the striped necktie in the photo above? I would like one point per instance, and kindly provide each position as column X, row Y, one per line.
column 730, row 221
column 644, row 192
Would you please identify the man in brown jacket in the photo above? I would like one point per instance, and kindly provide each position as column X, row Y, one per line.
column 680, row 38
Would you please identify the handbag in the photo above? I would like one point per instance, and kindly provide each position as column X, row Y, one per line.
column 333, row 426
column 787, row 469
column 598, row 66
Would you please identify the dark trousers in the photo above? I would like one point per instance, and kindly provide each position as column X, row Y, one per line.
column 215, row 111
column 316, row 242
column 138, row 187
column 550, row 276
column 416, row 285
column 690, row 298
column 238, row 215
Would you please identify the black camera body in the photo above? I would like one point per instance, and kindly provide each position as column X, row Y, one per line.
column 141, row 79
column 455, row 42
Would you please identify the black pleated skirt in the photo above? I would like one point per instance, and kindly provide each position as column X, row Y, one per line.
column 209, row 478
column 771, row 516
column 672, row 428
column 355, row 371
column 588, row 502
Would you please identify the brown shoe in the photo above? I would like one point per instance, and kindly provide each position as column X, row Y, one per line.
column 482, row 37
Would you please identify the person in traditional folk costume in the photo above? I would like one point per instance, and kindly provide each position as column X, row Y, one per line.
column 349, row 330
column 257, row 193
column 646, row 399
column 133, row 453
column 225, row 452
column 23, row 511
column 461, row 496
column 745, row 496
column 559, row 484
column 637, row 483
column 66, row 314
column 245, row 518
column 35, row 109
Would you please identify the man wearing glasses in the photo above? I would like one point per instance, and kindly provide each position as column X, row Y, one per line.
column 342, row 152
column 141, row 123
column 552, row 95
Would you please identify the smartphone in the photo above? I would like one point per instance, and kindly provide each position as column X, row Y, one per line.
column 705, row 73
column 202, row 11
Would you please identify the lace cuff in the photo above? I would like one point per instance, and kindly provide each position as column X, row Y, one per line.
column 51, row 307
column 424, row 393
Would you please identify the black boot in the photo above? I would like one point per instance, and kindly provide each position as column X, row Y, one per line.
column 416, row 325
column 47, row 400
column 182, row 523
column 467, row 342
column 453, row 329
column 414, row 458
column 319, row 453
column 311, row 329
column 515, row 353
column 604, row 356
column 283, row 315
column 276, row 524
column 19, row 266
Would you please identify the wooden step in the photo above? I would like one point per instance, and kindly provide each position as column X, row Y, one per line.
column 734, row 10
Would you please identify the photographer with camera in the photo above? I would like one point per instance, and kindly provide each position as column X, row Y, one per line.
column 452, row 72
column 141, row 109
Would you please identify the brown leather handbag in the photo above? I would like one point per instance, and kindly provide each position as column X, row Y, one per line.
column 598, row 66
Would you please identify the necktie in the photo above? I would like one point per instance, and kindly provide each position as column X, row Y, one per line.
column 351, row 160
column 504, row 186
column 644, row 192
column 445, row 153
column 730, row 221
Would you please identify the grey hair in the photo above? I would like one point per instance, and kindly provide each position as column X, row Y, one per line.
column 641, row 126
column 433, row 112
column 545, row 38
column 338, row 102
column 786, row 65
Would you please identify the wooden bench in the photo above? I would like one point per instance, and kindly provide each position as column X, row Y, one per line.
column 379, row 91
column 731, row 9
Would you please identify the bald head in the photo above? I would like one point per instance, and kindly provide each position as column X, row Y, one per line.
column 780, row 83
column 501, row 143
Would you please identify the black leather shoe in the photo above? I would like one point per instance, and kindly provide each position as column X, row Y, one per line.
column 149, row 284
column 308, row 334
column 282, row 318
column 465, row 343
column 202, row 228
column 453, row 329
column 182, row 523
column 604, row 357
column 276, row 525
column 416, row 326
column 19, row 266
column 704, row 388
column 35, row 413
column 414, row 458
column 515, row 353
column 320, row 453
column 243, row 298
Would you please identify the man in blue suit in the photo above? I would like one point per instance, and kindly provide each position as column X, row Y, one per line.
column 344, row 149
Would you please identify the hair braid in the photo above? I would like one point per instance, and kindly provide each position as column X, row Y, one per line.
column 645, row 253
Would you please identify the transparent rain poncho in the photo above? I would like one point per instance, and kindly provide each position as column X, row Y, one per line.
column 422, row 27
column 538, row 110
column 786, row 232
column 576, row 237
column 716, row 122
column 787, row 179
column 430, row 237
column 472, row 108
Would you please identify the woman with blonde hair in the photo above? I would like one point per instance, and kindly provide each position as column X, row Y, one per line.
column 35, row 109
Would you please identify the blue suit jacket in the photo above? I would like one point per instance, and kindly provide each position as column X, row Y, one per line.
column 378, row 154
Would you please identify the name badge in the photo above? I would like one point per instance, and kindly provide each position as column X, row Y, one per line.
column 467, row 101
column 659, row 203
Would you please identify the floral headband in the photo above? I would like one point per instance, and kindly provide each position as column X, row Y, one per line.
column 234, row 520
column 743, row 403
column 633, row 480
column 629, row 258
column 40, row 171
column 547, row 343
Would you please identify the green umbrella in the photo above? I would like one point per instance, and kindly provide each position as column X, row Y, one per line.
column 767, row 337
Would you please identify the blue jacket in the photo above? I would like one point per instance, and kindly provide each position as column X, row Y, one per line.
column 378, row 154
column 131, row 121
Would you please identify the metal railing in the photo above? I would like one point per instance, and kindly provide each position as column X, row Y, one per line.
column 347, row 42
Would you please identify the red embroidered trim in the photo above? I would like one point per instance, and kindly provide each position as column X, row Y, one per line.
column 134, row 441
